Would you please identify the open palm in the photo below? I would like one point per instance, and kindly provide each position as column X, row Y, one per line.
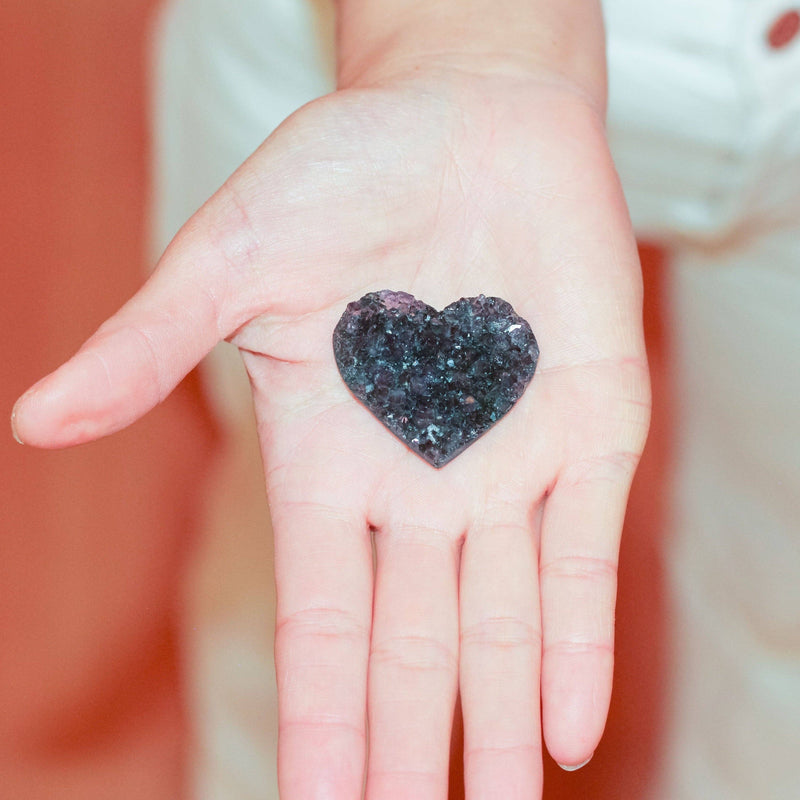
column 495, row 574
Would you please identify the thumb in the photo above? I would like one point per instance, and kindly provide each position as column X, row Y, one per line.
column 138, row 356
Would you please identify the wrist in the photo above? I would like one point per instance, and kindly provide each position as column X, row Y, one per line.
column 557, row 39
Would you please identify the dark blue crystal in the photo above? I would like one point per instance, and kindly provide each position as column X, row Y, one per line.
column 436, row 379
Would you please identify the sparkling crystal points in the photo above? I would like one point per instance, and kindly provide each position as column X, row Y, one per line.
column 436, row 379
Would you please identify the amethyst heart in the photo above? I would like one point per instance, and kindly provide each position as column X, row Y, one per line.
column 436, row 379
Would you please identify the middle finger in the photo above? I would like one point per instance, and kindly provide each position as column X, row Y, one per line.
column 413, row 669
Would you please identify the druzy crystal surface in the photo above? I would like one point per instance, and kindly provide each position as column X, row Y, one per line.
column 436, row 379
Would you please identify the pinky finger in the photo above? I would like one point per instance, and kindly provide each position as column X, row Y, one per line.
column 578, row 573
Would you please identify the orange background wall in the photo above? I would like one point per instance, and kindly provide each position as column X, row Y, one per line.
column 93, row 540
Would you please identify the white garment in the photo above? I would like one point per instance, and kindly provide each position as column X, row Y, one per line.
column 704, row 124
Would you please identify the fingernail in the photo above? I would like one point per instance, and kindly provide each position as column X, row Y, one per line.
column 14, row 423
column 574, row 767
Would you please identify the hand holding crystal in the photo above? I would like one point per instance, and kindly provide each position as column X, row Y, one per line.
column 494, row 575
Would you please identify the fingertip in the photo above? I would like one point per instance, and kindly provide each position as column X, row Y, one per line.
column 26, row 416
column 575, row 700
column 90, row 396
column 573, row 755
column 14, row 430
column 576, row 767
column 45, row 416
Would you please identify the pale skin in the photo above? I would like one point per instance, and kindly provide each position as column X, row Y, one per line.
column 444, row 171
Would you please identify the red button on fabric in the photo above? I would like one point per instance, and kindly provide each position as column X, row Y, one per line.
column 784, row 29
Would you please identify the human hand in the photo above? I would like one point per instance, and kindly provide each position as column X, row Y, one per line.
column 496, row 573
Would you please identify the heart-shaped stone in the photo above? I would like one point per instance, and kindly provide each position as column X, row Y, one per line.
column 436, row 379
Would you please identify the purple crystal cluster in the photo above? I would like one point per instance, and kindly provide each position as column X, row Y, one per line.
column 436, row 379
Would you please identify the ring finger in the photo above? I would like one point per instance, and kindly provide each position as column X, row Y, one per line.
column 500, row 655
